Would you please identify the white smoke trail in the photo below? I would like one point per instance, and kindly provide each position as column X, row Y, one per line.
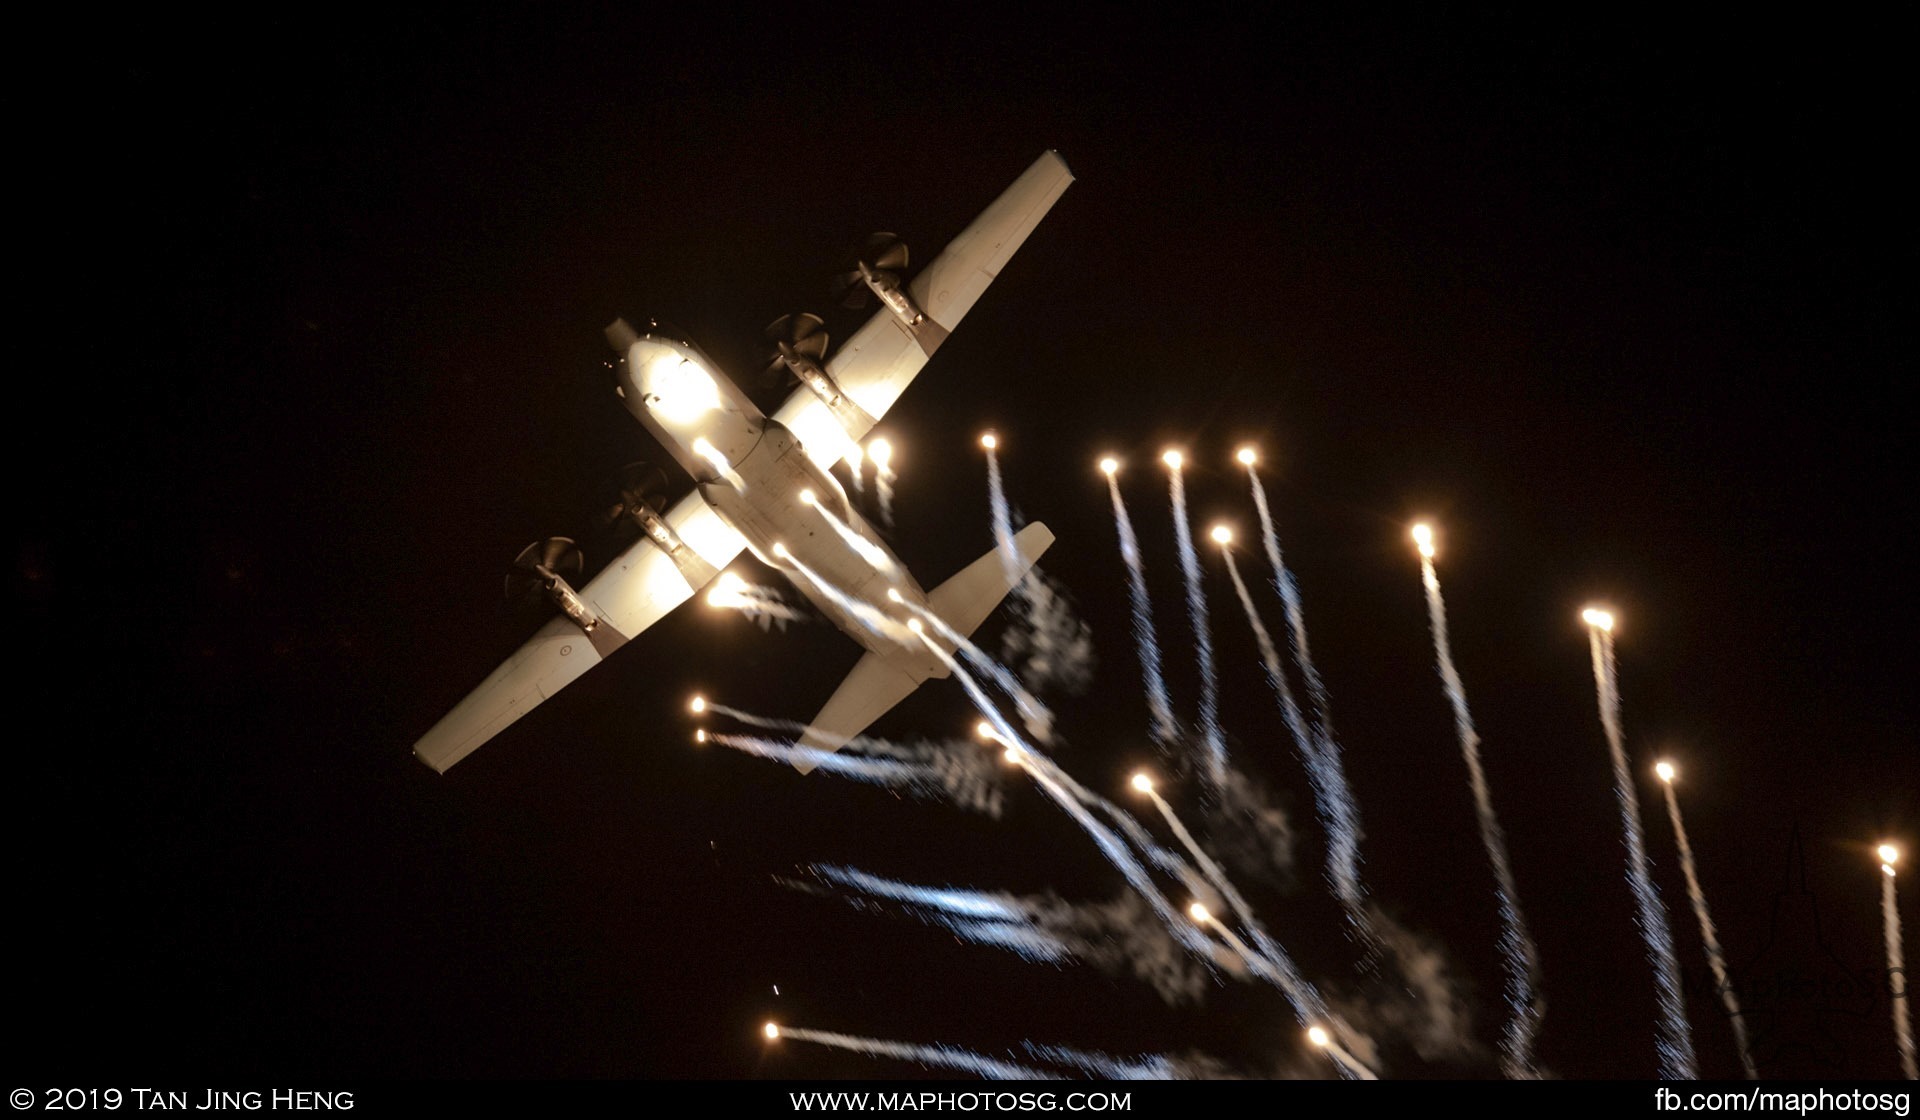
column 1002, row 518
column 1044, row 774
column 856, row 468
column 1045, row 641
column 765, row 606
column 1143, row 1067
column 1033, row 712
column 1209, row 717
column 1272, row 961
column 1159, row 711
column 1331, row 795
column 954, row 772
column 1044, row 637
column 1710, row 937
column 996, row 919
column 1289, row 590
column 938, row 1054
column 883, row 480
column 1897, row 975
column 1674, row 1041
column 1278, row 966
column 1517, row 950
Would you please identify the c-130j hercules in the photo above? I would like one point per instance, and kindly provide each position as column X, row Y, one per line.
column 764, row 483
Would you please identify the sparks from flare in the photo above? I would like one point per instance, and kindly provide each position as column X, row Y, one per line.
column 1160, row 723
column 1339, row 809
column 1332, row 800
column 1709, row 934
column 1896, row 961
column 1674, row 1042
column 881, row 452
column 1214, row 767
column 1520, row 956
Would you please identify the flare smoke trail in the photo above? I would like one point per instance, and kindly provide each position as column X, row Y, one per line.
column 1216, row 750
column 1272, row 962
column 1518, row 952
column 1262, row 965
column 938, row 1054
column 1307, row 1005
column 765, row 606
column 1674, row 1044
column 1897, row 975
column 1035, row 714
column 1338, row 814
column 1002, row 519
column 955, row 770
column 856, row 467
column 1283, row 582
column 1143, row 1067
column 1709, row 936
column 883, row 479
column 1043, row 772
column 991, row 919
column 952, row 772
column 1159, row 711
column 1118, row 937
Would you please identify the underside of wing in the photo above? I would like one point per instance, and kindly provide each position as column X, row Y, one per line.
column 882, row 358
column 638, row 589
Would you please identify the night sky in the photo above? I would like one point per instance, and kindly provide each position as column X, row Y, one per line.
column 309, row 348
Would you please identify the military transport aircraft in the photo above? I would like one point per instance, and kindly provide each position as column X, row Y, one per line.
column 764, row 484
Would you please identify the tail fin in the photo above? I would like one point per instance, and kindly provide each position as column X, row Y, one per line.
column 877, row 683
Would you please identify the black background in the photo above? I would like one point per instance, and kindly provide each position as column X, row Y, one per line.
column 308, row 346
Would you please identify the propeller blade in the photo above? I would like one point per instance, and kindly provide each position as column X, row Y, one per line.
column 885, row 251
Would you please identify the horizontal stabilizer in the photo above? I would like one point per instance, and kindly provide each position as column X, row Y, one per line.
column 965, row 601
column 877, row 683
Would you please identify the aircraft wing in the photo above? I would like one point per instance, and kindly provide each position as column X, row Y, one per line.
column 882, row 358
column 638, row 589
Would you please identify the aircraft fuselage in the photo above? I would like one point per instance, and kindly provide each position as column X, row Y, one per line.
column 757, row 477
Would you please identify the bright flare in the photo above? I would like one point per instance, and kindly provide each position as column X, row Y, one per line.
column 780, row 550
column 881, row 452
column 1200, row 913
column 682, row 391
column 1423, row 536
column 1109, row 465
column 700, row 736
column 1173, row 459
column 729, row 592
column 1222, row 535
column 916, row 625
column 989, row 441
column 1316, row 1035
column 893, row 595
column 807, row 498
column 1666, row 771
column 1594, row 617
column 1247, row 456
column 1143, row 783
column 771, row 1030
column 698, row 704
column 1888, row 854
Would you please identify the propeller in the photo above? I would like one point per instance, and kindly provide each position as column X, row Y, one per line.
column 635, row 486
column 558, row 555
column 803, row 334
column 882, row 253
